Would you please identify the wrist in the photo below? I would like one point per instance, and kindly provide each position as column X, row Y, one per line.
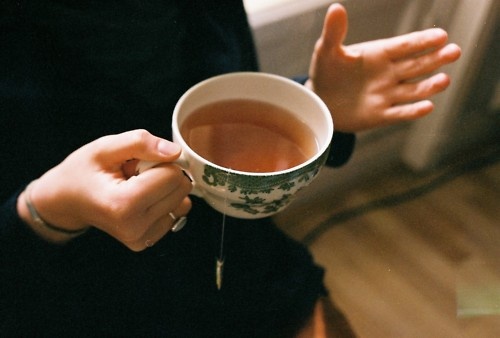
column 29, row 214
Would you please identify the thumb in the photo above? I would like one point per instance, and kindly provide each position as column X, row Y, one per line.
column 334, row 27
column 136, row 144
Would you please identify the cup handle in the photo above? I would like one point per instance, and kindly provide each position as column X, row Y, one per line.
column 182, row 162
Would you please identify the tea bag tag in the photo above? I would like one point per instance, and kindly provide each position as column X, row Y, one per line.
column 219, row 266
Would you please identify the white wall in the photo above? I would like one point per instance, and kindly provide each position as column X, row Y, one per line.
column 285, row 32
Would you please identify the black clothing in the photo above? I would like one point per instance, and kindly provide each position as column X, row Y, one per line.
column 73, row 71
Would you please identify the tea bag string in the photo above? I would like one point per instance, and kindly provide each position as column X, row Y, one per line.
column 223, row 230
column 219, row 265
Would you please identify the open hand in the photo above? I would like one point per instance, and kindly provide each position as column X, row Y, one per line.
column 380, row 82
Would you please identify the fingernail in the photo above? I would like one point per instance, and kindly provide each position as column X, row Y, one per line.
column 168, row 148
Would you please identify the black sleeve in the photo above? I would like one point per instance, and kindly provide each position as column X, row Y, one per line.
column 341, row 149
column 20, row 248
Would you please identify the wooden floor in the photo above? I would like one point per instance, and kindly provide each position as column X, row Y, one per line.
column 411, row 255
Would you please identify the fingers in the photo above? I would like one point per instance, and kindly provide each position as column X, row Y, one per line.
column 335, row 27
column 146, row 213
column 427, row 63
column 170, row 200
column 410, row 100
column 160, row 227
column 136, row 144
column 410, row 92
column 407, row 45
column 407, row 112
column 129, row 209
column 137, row 209
column 155, row 184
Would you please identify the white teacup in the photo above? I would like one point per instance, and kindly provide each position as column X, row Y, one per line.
column 248, row 194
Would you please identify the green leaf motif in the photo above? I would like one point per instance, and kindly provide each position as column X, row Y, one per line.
column 255, row 200
column 254, row 188
column 260, row 206
column 306, row 177
column 249, row 185
column 277, row 204
column 215, row 177
column 245, row 208
column 287, row 186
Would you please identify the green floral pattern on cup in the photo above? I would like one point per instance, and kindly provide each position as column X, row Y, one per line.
column 262, row 194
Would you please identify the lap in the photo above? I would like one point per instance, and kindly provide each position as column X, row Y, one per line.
column 326, row 322
column 271, row 284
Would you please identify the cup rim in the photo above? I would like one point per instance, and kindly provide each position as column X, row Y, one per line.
column 325, row 147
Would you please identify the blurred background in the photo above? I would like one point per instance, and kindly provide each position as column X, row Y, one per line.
column 409, row 229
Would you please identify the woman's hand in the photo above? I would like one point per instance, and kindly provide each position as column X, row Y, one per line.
column 92, row 187
column 380, row 82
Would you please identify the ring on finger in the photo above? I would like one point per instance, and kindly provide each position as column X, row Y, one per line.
column 171, row 214
column 178, row 223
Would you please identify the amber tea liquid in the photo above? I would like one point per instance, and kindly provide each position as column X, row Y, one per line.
column 249, row 135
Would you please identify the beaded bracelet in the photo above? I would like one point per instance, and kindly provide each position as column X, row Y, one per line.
column 35, row 216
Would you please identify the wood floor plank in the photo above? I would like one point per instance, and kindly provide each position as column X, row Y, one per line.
column 411, row 255
column 387, row 289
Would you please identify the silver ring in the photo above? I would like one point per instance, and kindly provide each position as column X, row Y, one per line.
column 149, row 243
column 179, row 224
column 171, row 214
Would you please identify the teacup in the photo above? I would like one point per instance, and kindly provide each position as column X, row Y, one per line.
column 229, row 183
